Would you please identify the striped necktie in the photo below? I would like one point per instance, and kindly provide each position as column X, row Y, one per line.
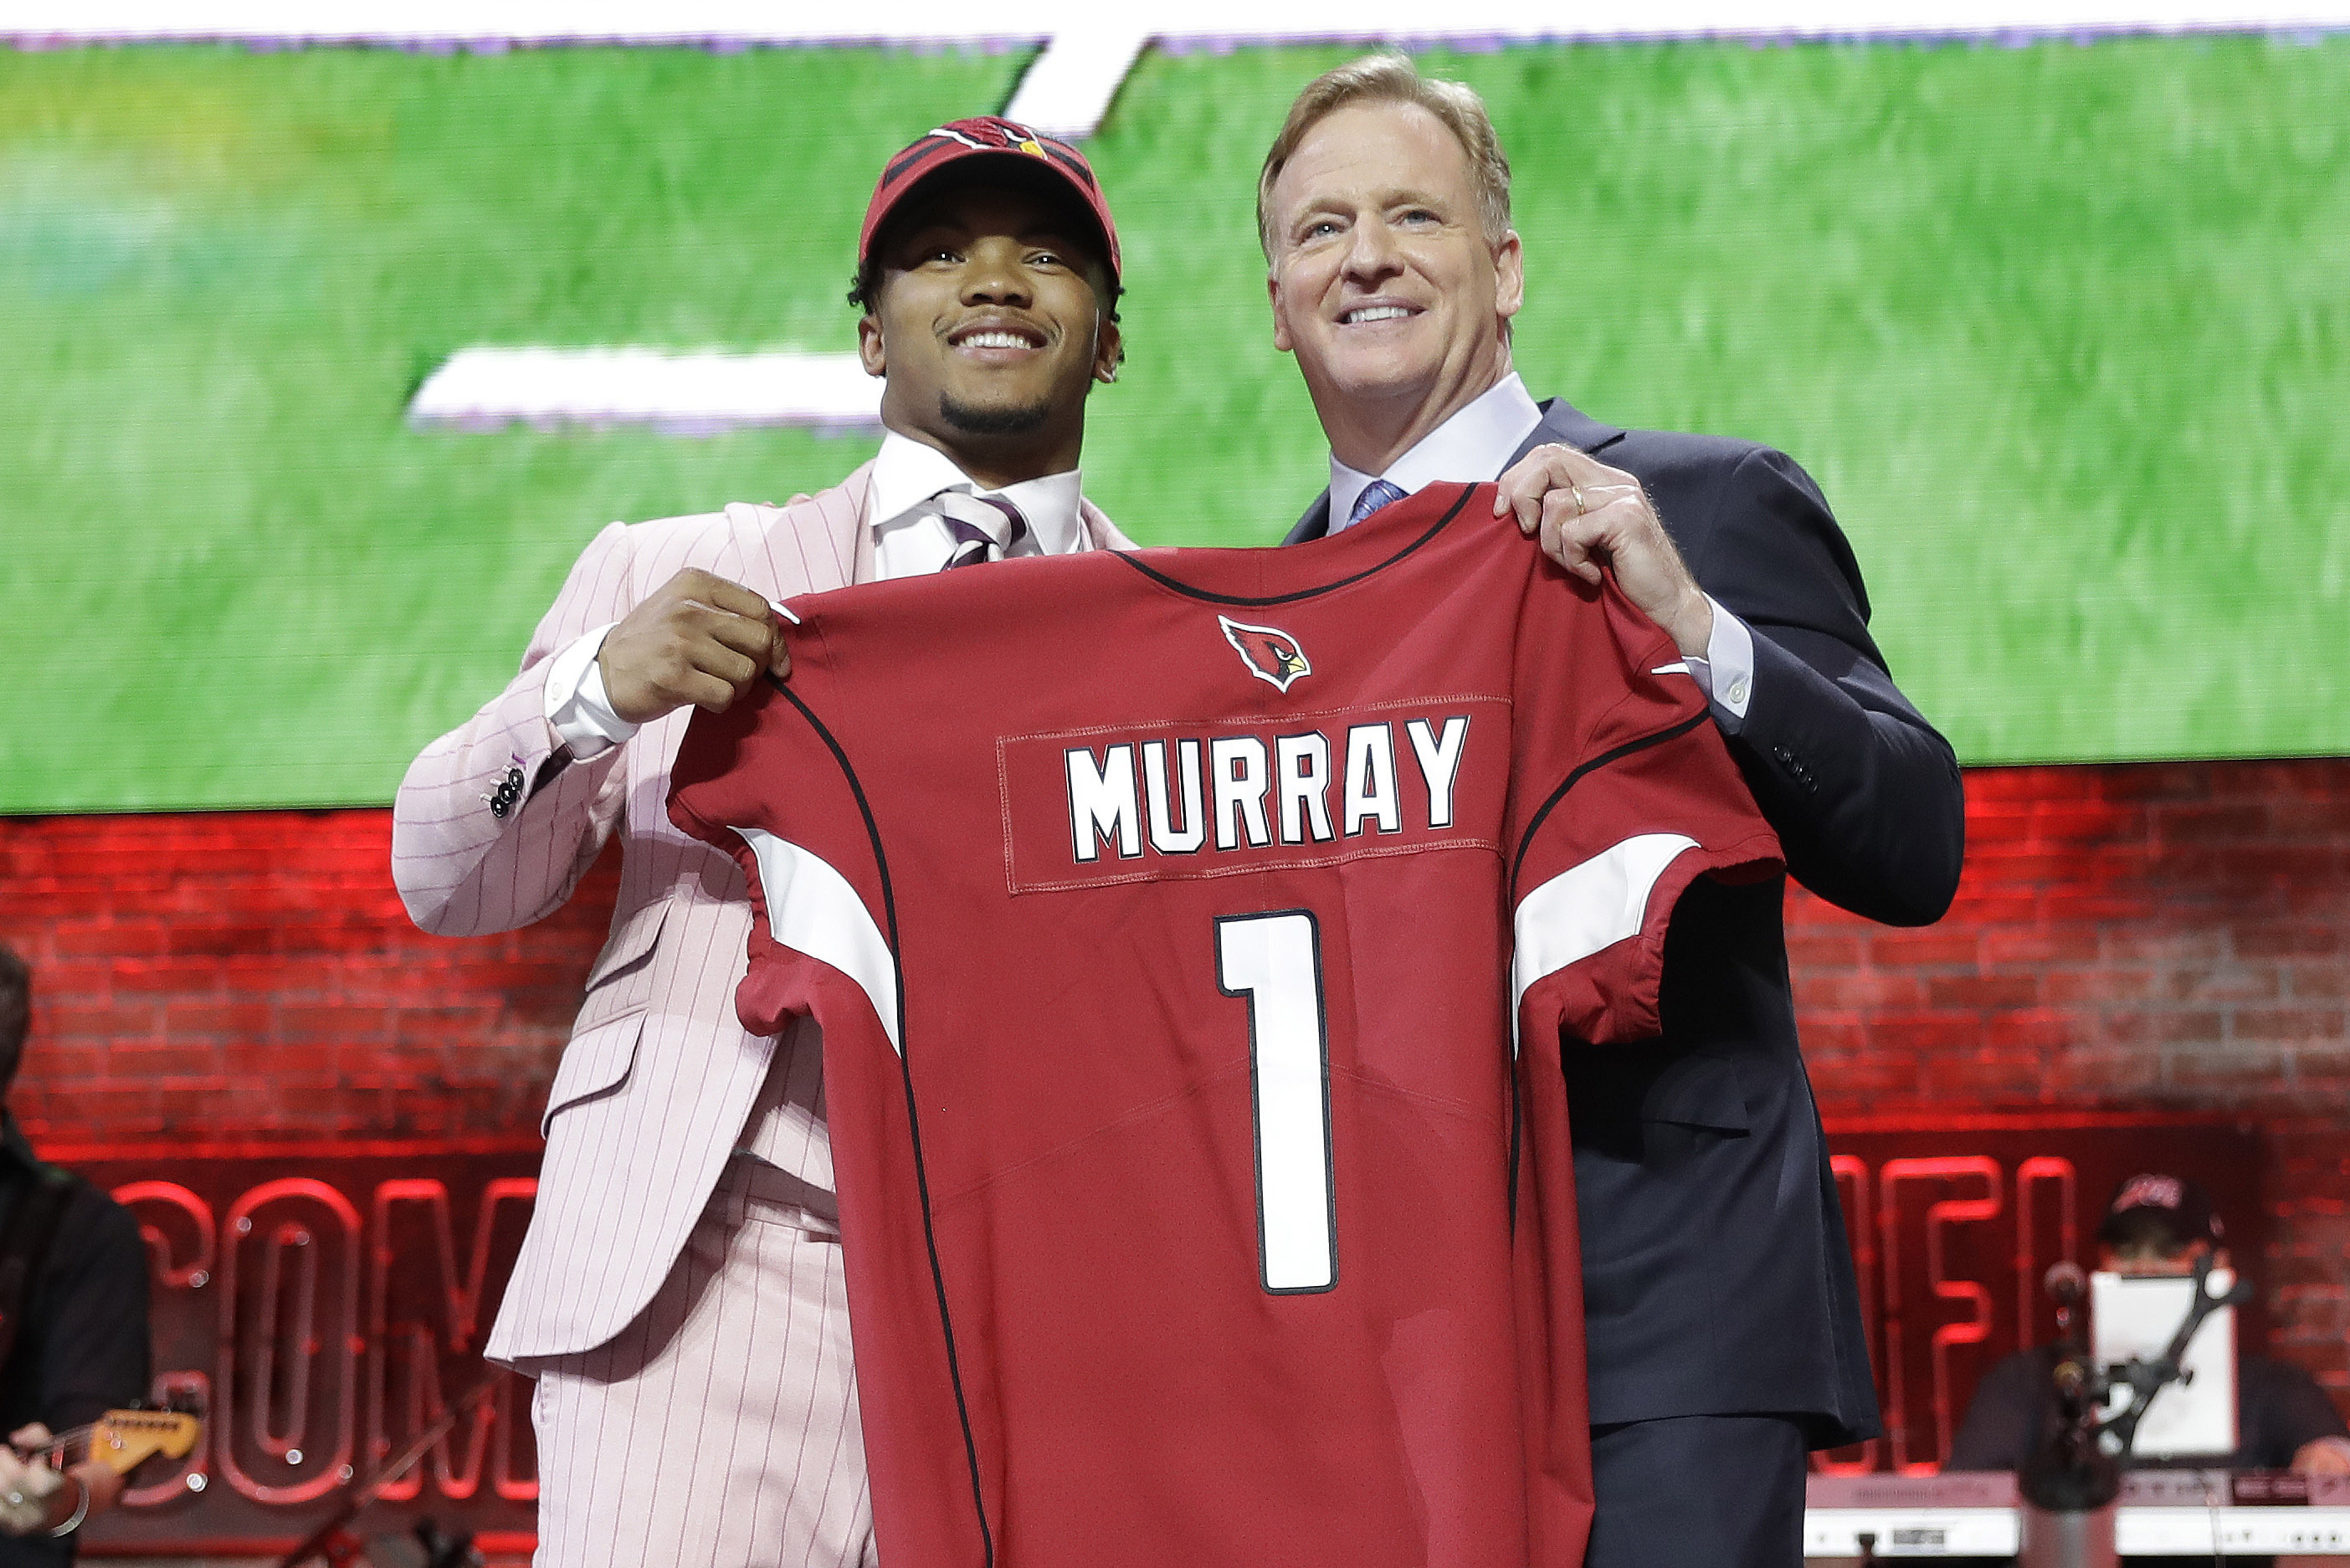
column 1378, row 493
column 984, row 527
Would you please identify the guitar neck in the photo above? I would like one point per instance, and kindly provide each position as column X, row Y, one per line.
column 65, row 1451
column 118, row 1440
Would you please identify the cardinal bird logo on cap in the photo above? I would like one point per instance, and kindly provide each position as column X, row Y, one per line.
column 1271, row 654
column 1001, row 133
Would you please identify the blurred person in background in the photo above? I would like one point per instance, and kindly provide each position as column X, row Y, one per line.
column 2157, row 1225
column 1723, row 1319
column 679, row 1296
column 73, row 1316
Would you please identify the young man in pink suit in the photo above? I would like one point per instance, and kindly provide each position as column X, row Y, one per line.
column 679, row 1295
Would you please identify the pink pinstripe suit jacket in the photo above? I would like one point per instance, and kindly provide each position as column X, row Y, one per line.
column 654, row 1088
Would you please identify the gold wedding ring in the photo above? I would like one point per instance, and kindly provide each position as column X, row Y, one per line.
column 1577, row 491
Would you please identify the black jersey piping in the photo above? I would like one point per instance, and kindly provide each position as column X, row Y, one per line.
column 913, row 1125
column 1671, row 732
column 1188, row 591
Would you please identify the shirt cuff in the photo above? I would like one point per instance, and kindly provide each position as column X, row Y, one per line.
column 577, row 704
column 1726, row 673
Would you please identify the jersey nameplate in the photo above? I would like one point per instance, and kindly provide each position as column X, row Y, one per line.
column 1140, row 802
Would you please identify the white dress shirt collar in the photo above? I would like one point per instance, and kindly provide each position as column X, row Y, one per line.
column 1474, row 445
column 906, row 473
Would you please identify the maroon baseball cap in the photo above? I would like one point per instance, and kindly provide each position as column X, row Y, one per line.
column 985, row 137
column 2184, row 1204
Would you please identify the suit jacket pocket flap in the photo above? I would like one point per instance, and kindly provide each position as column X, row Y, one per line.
column 597, row 1061
column 628, row 947
column 1699, row 1090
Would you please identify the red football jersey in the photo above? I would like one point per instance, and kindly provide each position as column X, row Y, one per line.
column 1205, row 1198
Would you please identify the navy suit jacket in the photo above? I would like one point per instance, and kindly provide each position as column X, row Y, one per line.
column 1717, row 1276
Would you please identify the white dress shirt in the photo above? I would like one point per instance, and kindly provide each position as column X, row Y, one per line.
column 1473, row 446
column 909, row 539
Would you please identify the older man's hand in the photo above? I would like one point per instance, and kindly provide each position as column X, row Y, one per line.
column 1587, row 515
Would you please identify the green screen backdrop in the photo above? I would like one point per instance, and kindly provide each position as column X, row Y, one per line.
column 2063, row 331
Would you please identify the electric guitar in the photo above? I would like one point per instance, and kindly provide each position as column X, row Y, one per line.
column 120, row 1439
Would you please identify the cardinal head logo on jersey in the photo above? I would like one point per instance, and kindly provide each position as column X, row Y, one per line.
column 1270, row 653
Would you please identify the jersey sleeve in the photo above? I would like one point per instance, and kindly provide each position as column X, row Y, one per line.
column 767, row 783
column 1622, row 794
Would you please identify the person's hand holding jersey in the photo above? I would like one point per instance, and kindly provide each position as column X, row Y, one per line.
column 697, row 639
column 1586, row 515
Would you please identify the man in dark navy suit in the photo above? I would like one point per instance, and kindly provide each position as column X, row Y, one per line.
column 1724, row 1329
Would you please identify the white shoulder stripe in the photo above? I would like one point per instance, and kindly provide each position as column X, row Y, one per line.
column 1587, row 908
column 812, row 908
column 1671, row 670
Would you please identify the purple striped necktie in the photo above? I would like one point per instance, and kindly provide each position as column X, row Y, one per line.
column 984, row 527
column 1378, row 493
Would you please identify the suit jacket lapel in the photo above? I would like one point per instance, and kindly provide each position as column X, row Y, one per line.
column 1101, row 534
column 1315, row 525
column 845, row 524
column 1564, row 424
column 1561, row 422
column 809, row 543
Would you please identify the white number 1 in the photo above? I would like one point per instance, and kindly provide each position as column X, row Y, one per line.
column 1276, row 960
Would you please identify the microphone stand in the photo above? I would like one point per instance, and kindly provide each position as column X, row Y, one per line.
column 328, row 1540
column 2069, row 1485
column 2147, row 1378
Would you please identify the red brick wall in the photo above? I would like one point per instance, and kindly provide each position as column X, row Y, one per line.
column 252, row 974
column 2173, row 937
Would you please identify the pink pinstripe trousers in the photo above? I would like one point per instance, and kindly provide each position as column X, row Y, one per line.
column 718, row 1429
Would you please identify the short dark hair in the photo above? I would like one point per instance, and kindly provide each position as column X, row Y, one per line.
column 16, row 1012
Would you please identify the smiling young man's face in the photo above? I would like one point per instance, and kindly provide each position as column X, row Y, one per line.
column 989, row 325
column 1383, row 280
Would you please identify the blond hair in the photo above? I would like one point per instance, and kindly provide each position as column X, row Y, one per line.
column 1393, row 79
